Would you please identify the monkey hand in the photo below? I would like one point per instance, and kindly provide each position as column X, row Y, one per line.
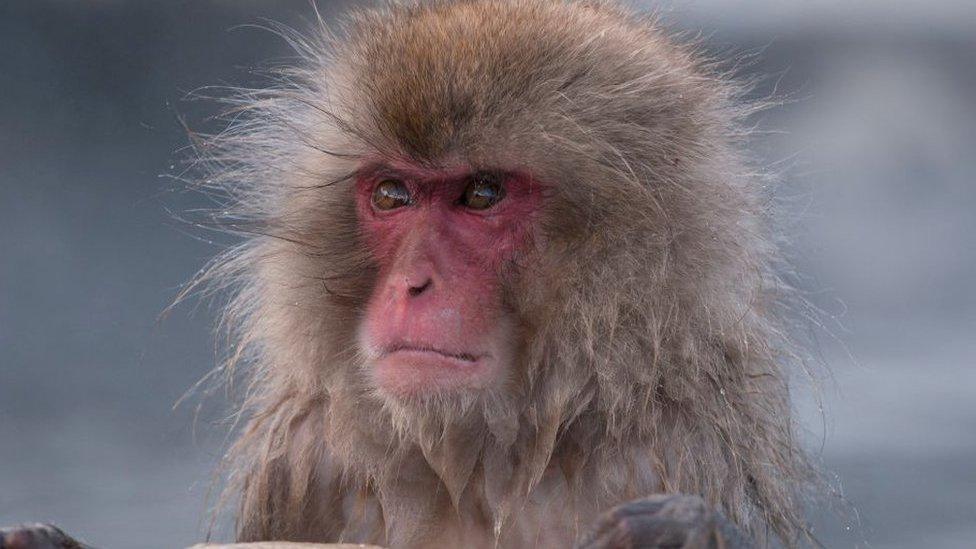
column 38, row 536
column 671, row 521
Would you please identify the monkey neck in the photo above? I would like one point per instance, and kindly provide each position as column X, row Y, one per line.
column 477, row 486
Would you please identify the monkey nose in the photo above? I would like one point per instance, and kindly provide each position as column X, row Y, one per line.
column 414, row 290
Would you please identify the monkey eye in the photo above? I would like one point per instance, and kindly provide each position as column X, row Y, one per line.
column 483, row 192
column 390, row 194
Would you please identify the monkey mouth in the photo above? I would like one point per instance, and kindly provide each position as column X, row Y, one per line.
column 424, row 349
column 406, row 370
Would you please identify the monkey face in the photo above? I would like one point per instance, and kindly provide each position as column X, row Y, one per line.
column 435, row 322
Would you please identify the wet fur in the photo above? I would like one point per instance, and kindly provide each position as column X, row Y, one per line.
column 652, row 354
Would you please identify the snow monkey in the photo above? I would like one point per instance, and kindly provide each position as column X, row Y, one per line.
column 507, row 282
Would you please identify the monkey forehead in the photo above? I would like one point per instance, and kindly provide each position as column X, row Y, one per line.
column 480, row 75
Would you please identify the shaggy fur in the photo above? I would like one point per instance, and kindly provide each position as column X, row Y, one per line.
column 651, row 356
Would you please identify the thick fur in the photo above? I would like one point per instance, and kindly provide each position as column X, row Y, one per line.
column 652, row 357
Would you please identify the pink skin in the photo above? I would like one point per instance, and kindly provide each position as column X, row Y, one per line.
column 435, row 321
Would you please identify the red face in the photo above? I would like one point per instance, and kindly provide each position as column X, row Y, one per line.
column 435, row 322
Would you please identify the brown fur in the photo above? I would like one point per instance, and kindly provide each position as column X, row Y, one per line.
column 651, row 358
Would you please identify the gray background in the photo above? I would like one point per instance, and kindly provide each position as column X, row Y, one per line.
column 879, row 145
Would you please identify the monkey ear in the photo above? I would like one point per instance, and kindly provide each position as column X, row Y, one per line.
column 664, row 521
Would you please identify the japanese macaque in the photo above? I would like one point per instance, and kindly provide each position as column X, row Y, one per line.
column 506, row 270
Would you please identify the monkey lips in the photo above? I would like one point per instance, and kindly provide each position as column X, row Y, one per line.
column 410, row 370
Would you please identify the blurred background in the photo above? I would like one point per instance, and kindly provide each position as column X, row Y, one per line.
column 878, row 142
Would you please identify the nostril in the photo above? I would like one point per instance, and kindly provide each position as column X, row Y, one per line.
column 414, row 291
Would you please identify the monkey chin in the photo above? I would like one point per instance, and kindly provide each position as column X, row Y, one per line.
column 412, row 372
